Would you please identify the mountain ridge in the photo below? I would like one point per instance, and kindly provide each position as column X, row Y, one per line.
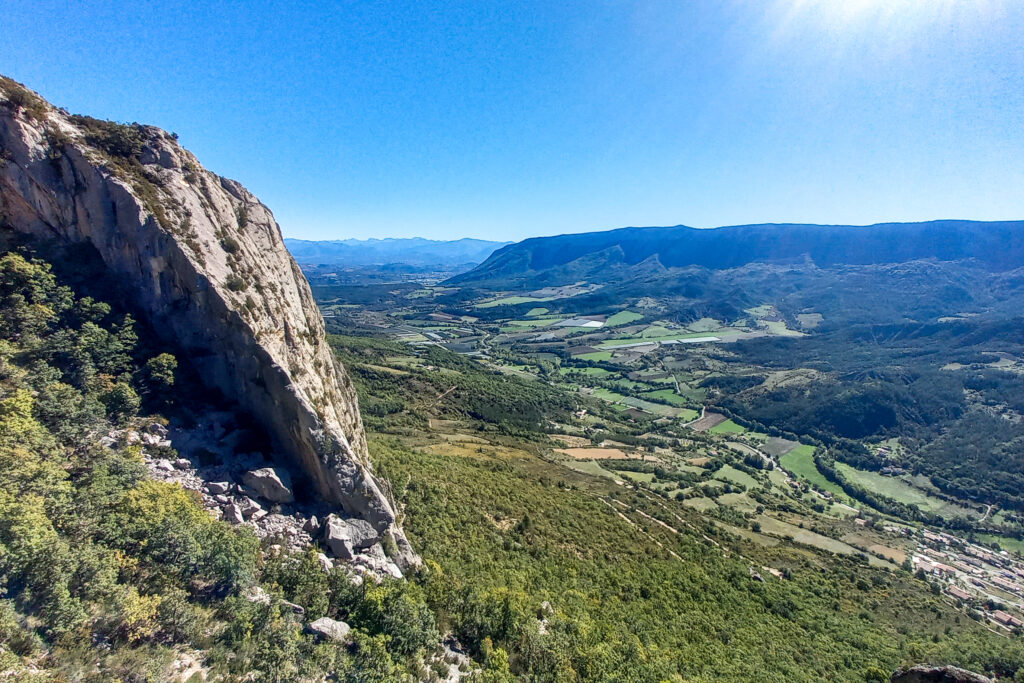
column 416, row 251
column 998, row 245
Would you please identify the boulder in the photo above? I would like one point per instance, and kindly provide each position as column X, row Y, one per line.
column 329, row 629
column 164, row 465
column 272, row 483
column 233, row 514
column 311, row 526
column 325, row 562
column 343, row 537
column 218, row 487
column 249, row 507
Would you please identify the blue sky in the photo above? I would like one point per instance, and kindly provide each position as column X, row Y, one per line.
column 509, row 120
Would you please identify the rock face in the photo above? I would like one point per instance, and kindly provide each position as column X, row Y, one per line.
column 204, row 260
column 937, row 674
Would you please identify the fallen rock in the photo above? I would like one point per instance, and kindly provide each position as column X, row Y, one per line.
column 325, row 562
column 329, row 629
column 249, row 507
column 344, row 537
column 923, row 673
column 164, row 465
column 183, row 464
column 233, row 514
column 272, row 483
column 312, row 526
column 218, row 487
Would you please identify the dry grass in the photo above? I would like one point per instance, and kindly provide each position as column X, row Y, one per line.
column 593, row 453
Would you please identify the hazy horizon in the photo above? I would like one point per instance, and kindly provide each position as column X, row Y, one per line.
column 508, row 121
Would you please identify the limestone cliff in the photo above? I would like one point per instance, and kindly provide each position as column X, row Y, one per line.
column 205, row 261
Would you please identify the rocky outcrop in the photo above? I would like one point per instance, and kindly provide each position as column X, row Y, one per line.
column 204, row 261
column 923, row 673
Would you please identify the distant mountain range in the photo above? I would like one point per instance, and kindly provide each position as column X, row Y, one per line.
column 444, row 255
column 997, row 246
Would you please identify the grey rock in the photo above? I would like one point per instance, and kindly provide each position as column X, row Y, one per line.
column 164, row 465
column 233, row 514
column 257, row 515
column 272, row 483
column 344, row 537
column 249, row 507
column 325, row 562
column 311, row 526
column 222, row 499
column 923, row 673
column 156, row 428
column 402, row 553
column 329, row 629
column 218, row 487
column 183, row 464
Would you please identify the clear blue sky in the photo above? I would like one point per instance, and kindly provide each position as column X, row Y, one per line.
column 508, row 120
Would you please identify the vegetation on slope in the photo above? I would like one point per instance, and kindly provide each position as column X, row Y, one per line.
column 109, row 575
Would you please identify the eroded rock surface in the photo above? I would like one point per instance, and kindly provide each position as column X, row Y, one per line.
column 204, row 260
column 937, row 674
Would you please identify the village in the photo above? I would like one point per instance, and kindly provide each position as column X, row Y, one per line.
column 989, row 584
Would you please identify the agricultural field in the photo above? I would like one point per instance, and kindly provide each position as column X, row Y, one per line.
column 903, row 492
column 800, row 463
column 622, row 318
column 727, row 427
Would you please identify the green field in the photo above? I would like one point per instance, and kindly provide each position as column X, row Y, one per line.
column 800, row 463
column 596, row 355
column 736, row 476
column 589, row 467
column 668, row 395
column 644, row 477
column 778, row 327
column 901, row 491
column 590, row 372
column 727, row 427
column 622, row 318
column 534, row 312
column 610, row 396
column 1010, row 545
column 660, row 408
